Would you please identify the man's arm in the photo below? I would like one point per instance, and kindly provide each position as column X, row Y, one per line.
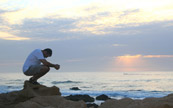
column 45, row 62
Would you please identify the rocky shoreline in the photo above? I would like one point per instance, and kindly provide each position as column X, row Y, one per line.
column 40, row 96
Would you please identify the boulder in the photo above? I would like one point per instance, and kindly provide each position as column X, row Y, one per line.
column 31, row 90
column 93, row 105
column 75, row 88
column 50, row 102
column 102, row 97
column 164, row 102
column 85, row 98
column 37, row 96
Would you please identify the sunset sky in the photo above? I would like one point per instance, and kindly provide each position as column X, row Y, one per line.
column 88, row 35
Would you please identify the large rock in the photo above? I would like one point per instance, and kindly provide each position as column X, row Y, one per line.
column 85, row 98
column 50, row 102
column 92, row 105
column 75, row 88
column 37, row 96
column 102, row 97
column 31, row 90
column 165, row 102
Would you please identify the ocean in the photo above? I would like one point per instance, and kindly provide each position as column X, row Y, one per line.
column 117, row 85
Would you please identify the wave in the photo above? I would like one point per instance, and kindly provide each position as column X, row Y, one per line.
column 134, row 94
column 5, row 89
column 68, row 81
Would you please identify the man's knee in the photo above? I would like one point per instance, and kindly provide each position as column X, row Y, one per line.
column 46, row 68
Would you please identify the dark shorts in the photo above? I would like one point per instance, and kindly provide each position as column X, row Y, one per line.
column 34, row 69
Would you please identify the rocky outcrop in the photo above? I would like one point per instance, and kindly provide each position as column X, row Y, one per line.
column 50, row 102
column 92, row 105
column 31, row 90
column 40, row 96
column 165, row 102
column 75, row 88
column 37, row 96
column 85, row 98
column 102, row 97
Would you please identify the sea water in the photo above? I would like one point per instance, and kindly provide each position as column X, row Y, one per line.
column 135, row 85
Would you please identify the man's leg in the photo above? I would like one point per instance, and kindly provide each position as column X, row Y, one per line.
column 44, row 69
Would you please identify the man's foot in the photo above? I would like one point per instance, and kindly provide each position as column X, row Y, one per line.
column 33, row 82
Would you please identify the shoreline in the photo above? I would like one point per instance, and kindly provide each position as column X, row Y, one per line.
column 133, row 94
column 40, row 96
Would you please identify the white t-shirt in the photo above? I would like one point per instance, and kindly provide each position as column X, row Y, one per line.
column 33, row 59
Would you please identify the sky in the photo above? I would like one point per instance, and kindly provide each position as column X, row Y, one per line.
column 88, row 35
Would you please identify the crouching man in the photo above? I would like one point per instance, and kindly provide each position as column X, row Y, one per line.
column 37, row 66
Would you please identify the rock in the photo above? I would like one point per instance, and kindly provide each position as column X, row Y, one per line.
column 102, row 97
column 40, row 96
column 31, row 90
column 92, row 105
column 75, row 88
column 50, row 102
column 85, row 98
column 37, row 96
column 165, row 102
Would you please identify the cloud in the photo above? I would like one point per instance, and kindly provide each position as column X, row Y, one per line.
column 18, row 17
column 145, row 56
column 158, row 56
column 47, row 29
column 95, row 17
column 129, row 56
column 169, row 25
column 97, row 23
column 8, row 36
column 117, row 45
column 3, row 1
column 141, row 62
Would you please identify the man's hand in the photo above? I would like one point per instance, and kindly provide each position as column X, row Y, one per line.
column 45, row 62
column 57, row 66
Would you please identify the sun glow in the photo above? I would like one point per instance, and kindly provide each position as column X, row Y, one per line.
column 128, row 62
column 135, row 62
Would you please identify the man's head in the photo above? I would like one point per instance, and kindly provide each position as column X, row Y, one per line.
column 47, row 52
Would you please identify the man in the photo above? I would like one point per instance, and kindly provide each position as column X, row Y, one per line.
column 33, row 67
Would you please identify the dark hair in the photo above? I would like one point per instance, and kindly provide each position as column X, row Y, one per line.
column 49, row 51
